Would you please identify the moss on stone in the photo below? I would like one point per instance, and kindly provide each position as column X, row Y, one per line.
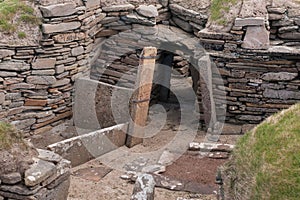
column 220, row 7
column 9, row 136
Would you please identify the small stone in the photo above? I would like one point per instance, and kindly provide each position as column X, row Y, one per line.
column 41, row 80
column 135, row 18
column 273, row 17
column 156, row 169
column 14, row 66
column 39, row 172
column 147, row 11
column 12, row 178
column 276, row 10
column 144, row 188
column 44, row 63
column 257, row 37
column 58, row 10
column 92, row 3
column 7, row 74
column 288, row 29
column 77, row 51
column 250, row 118
column 61, row 27
column 183, row 24
column 118, row 8
column 49, row 156
column 2, row 98
column 6, row 53
column 281, row 76
column 251, row 21
column 61, row 82
column 290, row 35
column 164, row 3
column 166, row 158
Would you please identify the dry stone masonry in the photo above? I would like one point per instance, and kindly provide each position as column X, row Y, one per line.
column 48, row 178
column 258, row 58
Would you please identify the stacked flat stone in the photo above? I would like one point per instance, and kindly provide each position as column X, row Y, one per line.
column 47, row 178
column 285, row 24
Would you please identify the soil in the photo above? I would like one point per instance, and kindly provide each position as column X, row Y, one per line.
column 190, row 168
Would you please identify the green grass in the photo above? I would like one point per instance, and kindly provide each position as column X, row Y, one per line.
column 9, row 9
column 21, row 35
column 270, row 156
column 218, row 8
column 8, row 136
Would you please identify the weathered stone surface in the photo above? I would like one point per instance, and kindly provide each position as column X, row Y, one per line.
column 58, row 10
column 250, row 118
column 283, row 22
column 77, row 51
column 62, row 27
column 183, row 24
column 106, row 32
column 44, row 63
column 164, row 3
column 22, row 124
column 280, row 76
column 275, row 16
column 294, row 12
column 157, row 169
column 39, row 172
column 147, row 11
column 257, row 37
column 12, row 178
column 61, row 82
column 135, row 18
column 6, row 53
column 35, row 102
column 43, row 72
column 68, row 37
column 14, row 66
column 92, row 3
column 144, row 188
column 251, row 21
column 290, row 35
column 166, row 158
column 7, row 74
column 281, row 94
column 276, row 10
column 41, row 80
column 49, row 156
column 2, row 97
column 183, row 11
column 118, row 8
column 288, row 29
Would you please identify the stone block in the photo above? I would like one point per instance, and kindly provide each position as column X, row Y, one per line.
column 35, row 102
column 118, row 8
column 44, row 63
column 23, row 124
column 68, row 37
column 144, row 188
column 2, row 98
column 39, row 172
column 290, row 35
column 11, row 178
column 61, row 27
column 61, row 82
column 147, row 11
column 6, row 53
column 281, row 94
column 92, row 3
column 280, row 76
column 183, row 24
column 77, row 51
column 257, row 37
column 135, row 18
column 250, row 21
column 7, row 74
column 49, row 156
column 58, row 10
column 41, row 80
column 14, row 66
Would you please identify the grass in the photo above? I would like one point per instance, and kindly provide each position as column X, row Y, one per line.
column 8, row 136
column 9, row 9
column 218, row 8
column 21, row 35
column 270, row 157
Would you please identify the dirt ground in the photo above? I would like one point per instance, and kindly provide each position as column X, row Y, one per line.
column 100, row 181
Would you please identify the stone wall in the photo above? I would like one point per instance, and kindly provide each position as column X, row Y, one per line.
column 48, row 178
column 37, row 82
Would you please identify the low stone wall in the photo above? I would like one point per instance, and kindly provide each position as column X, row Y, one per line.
column 48, row 178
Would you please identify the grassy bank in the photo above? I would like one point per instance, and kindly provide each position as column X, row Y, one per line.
column 8, row 136
column 266, row 162
column 13, row 13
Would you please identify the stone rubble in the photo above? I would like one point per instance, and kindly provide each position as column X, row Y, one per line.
column 47, row 178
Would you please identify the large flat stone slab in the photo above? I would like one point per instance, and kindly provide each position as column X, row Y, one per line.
column 61, row 27
column 58, row 10
column 257, row 37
